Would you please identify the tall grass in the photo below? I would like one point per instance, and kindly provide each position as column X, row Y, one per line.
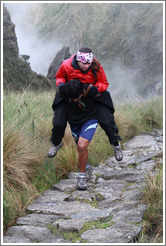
column 27, row 125
column 135, row 118
column 153, row 218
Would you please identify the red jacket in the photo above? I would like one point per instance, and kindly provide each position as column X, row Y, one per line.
column 68, row 71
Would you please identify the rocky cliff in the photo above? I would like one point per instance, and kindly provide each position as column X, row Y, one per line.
column 17, row 73
column 62, row 55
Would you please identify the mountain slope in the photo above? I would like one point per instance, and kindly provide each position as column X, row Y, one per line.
column 127, row 34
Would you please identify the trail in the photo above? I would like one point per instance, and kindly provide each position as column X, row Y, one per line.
column 109, row 211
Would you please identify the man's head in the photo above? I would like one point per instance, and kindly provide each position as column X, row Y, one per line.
column 74, row 89
column 84, row 57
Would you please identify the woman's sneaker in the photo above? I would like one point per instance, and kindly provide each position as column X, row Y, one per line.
column 118, row 152
column 82, row 182
column 53, row 150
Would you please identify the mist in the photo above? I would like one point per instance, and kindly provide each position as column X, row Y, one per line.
column 121, row 80
column 30, row 43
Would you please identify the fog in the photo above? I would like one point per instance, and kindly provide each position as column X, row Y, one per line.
column 41, row 52
column 121, row 84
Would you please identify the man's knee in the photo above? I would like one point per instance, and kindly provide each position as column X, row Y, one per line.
column 82, row 145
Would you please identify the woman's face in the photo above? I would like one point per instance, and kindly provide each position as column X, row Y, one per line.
column 84, row 66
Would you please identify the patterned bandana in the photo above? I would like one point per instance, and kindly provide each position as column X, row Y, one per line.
column 84, row 57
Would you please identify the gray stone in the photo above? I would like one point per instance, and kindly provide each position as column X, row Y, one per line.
column 141, row 141
column 53, row 241
column 98, row 213
column 156, row 132
column 33, row 233
column 65, row 185
column 104, row 167
column 108, row 193
column 86, row 195
column 61, row 208
column 52, row 196
column 119, row 205
column 127, row 160
column 118, row 233
column 126, row 205
column 72, row 175
column 15, row 239
column 41, row 220
column 159, row 139
column 128, row 152
column 63, row 54
column 134, row 186
column 70, row 224
column 110, row 189
column 116, row 185
column 132, row 195
column 147, row 166
column 127, row 174
column 146, row 156
column 101, row 169
column 129, row 216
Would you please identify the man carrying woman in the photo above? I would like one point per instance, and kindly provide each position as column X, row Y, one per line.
column 84, row 67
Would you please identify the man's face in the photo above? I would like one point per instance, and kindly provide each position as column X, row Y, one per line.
column 84, row 66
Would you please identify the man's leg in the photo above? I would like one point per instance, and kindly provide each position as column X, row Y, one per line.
column 82, row 161
column 58, row 130
column 75, row 133
column 82, row 154
column 83, row 136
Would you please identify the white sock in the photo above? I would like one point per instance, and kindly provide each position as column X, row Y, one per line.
column 81, row 174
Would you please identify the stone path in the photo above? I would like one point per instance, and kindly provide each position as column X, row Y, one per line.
column 110, row 211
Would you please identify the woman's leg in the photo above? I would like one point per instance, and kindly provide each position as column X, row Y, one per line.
column 107, row 122
column 59, row 123
column 58, row 130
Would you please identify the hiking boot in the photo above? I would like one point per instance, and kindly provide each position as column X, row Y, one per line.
column 88, row 170
column 82, row 182
column 53, row 150
column 118, row 152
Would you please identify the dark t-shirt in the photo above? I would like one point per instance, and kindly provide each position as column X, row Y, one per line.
column 81, row 111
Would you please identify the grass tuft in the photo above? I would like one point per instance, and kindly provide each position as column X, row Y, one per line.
column 153, row 217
